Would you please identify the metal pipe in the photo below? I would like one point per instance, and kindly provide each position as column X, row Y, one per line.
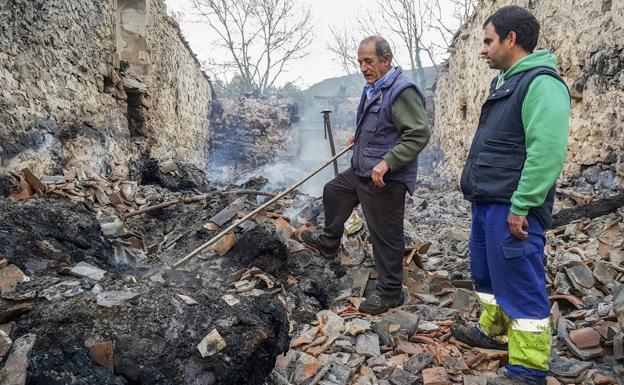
column 257, row 210
column 328, row 132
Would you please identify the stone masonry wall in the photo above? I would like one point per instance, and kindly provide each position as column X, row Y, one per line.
column 101, row 84
column 588, row 38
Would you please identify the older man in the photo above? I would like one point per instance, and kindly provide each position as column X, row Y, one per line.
column 391, row 131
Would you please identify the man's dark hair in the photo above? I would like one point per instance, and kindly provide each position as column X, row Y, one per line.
column 518, row 20
column 382, row 47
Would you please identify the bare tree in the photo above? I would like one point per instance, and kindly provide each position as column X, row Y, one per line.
column 406, row 19
column 446, row 27
column 344, row 46
column 261, row 36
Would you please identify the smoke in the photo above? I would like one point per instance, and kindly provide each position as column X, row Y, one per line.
column 311, row 150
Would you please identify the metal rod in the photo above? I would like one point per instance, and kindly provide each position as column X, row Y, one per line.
column 328, row 131
column 257, row 210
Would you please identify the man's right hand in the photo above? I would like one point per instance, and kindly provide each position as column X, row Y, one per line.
column 351, row 140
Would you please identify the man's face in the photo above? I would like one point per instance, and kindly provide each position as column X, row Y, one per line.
column 497, row 53
column 372, row 67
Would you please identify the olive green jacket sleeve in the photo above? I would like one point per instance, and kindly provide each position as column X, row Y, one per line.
column 410, row 119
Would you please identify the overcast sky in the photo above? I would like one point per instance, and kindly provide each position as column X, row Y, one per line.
column 318, row 65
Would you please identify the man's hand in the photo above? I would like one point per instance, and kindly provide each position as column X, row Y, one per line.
column 351, row 140
column 516, row 224
column 378, row 173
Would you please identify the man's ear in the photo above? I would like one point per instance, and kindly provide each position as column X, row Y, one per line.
column 511, row 38
column 388, row 59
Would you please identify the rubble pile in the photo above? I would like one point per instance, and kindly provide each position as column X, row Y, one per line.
column 413, row 344
column 89, row 295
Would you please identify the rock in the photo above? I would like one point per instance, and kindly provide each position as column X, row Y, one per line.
column 112, row 226
column 418, row 362
column 13, row 312
column 568, row 367
column 87, row 270
column 73, row 292
column 403, row 377
column 103, row 354
column 427, row 327
column 585, row 338
column 115, row 297
column 475, row 380
column 408, row 321
column 231, row 300
column 435, row 376
column 338, row 374
column 16, row 366
column 357, row 326
column 367, row 344
column 10, row 276
column 307, row 336
column 580, row 275
column 55, row 179
column 212, row 344
column 464, row 300
column 344, row 345
column 331, row 323
column 563, row 333
column 188, row 300
column 604, row 274
column 431, row 313
column 382, row 329
column 297, row 366
column 5, row 344
column 306, row 367
column 55, row 292
column 409, row 348
column 428, row 298
column 618, row 304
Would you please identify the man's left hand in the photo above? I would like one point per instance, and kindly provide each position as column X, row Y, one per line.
column 516, row 225
column 378, row 173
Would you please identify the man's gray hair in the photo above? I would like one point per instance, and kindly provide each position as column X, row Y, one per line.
column 382, row 47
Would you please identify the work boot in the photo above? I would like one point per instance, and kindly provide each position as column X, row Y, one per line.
column 311, row 240
column 377, row 304
column 472, row 335
column 503, row 377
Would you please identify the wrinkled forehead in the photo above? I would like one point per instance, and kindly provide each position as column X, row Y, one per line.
column 367, row 49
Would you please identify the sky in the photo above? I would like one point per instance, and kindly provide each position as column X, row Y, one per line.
column 320, row 64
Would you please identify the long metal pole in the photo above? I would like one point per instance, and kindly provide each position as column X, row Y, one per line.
column 328, row 131
column 257, row 210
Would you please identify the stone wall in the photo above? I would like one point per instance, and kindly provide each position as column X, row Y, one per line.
column 249, row 133
column 588, row 38
column 101, row 84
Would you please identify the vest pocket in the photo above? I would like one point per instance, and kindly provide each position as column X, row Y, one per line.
column 371, row 118
column 371, row 156
column 497, row 175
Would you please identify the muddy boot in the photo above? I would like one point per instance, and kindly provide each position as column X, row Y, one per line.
column 503, row 377
column 311, row 240
column 377, row 304
column 472, row 335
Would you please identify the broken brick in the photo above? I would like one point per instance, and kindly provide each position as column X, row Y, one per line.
column 103, row 354
column 435, row 376
column 10, row 276
column 585, row 338
column 408, row 348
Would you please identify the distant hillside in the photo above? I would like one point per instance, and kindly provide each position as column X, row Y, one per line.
column 349, row 86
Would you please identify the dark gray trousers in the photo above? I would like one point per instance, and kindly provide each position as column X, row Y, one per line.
column 384, row 209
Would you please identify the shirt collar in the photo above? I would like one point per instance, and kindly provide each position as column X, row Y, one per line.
column 371, row 89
